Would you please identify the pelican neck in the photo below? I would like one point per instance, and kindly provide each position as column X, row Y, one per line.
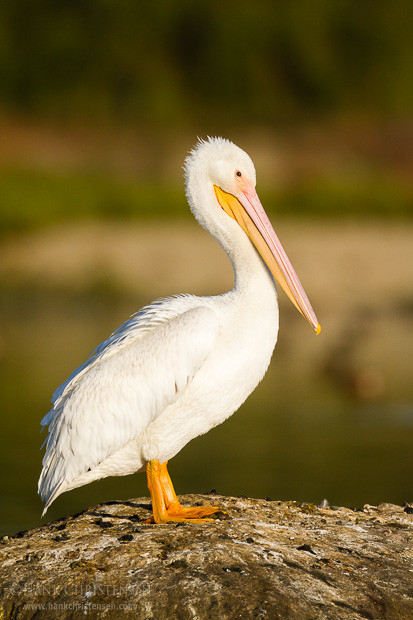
column 250, row 271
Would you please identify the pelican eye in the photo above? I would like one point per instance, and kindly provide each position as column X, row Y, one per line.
column 238, row 173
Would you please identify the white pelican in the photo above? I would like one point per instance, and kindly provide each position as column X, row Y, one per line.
column 183, row 364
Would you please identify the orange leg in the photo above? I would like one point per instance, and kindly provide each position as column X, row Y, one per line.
column 165, row 504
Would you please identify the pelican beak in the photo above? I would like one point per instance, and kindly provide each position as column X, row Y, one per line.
column 250, row 215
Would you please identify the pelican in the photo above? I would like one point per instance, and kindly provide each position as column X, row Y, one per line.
column 181, row 365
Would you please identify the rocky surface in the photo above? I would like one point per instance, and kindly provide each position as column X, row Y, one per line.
column 269, row 559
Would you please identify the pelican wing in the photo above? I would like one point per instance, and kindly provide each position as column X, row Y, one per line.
column 127, row 382
column 146, row 320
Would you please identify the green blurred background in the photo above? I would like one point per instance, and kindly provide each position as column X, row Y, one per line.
column 99, row 103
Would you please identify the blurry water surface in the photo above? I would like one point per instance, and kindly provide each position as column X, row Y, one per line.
column 299, row 436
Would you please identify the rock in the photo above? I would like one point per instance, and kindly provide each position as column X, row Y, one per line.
column 270, row 559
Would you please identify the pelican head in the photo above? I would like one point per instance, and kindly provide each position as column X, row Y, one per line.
column 229, row 175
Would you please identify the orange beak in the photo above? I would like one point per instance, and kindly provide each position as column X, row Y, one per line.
column 250, row 215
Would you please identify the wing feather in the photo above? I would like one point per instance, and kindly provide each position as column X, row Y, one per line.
column 147, row 319
column 127, row 382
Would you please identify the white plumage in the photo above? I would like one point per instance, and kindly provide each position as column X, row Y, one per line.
column 181, row 365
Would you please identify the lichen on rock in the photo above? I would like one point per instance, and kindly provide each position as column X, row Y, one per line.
column 270, row 559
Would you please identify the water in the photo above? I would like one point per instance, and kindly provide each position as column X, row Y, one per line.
column 297, row 437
